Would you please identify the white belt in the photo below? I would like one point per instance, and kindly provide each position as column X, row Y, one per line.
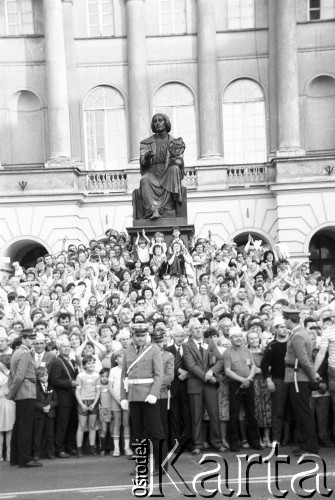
column 137, row 381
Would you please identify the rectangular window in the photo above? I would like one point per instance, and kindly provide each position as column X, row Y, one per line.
column 172, row 15
column 241, row 14
column 314, row 10
column 100, row 15
column 19, row 17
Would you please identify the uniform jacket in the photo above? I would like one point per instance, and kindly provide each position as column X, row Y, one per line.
column 22, row 368
column 176, row 383
column 59, row 378
column 149, row 366
column 196, row 365
column 168, row 373
column 43, row 399
column 299, row 347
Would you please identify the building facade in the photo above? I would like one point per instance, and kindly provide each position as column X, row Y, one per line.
column 248, row 84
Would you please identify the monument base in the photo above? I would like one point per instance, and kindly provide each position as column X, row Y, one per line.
column 163, row 226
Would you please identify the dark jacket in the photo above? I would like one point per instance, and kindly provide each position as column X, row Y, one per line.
column 60, row 380
column 44, row 399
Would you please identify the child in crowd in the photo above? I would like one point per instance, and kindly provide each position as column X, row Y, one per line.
column 87, row 394
column 142, row 247
column 105, row 410
column 44, row 414
column 7, row 407
column 114, row 384
column 158, row 239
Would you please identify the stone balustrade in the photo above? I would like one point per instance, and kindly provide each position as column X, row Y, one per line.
column 190, row 180
column 107, row 181
column 247, row 174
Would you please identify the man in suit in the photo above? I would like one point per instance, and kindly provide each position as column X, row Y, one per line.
column 62, row 375
column 201, row 386
column 180, row 414
column 141, row 382
column 157, row 337
column 42, row 358
column 22, row 390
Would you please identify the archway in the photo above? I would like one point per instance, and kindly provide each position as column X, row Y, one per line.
column 242, row 239
column 322, row 252
column 25, row 251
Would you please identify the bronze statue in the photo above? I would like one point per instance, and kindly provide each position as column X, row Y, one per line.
column 162, row 169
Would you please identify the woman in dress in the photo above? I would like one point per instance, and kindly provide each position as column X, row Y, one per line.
column 7, row 407
column 263, row 409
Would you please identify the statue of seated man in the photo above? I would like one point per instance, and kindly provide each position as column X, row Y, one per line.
column 162, row 169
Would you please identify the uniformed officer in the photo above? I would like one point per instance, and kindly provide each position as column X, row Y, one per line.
column 22, row 390
column 141, row 382
column 299, row 372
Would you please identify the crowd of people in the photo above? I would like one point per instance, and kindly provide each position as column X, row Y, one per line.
column 211, row 345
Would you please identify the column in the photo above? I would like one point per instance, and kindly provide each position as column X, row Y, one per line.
column 209, row 99
column 57, row 85
column 287, row 79
column 138, row 80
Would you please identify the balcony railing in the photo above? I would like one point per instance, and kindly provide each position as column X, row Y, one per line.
column 106, row 181
column 190, row 180
column 245, row 175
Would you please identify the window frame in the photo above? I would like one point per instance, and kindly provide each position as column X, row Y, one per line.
column 88, row 161
column 314, row 9
column 173, row 24
column 244, row 103
column 241, row 9
column 100, row 17
column 19, row 16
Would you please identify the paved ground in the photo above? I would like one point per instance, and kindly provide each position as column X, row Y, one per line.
column 108, row 478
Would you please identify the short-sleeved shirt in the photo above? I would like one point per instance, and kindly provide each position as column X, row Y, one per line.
column 88, row 384
column 238, row 360
column 328, row 340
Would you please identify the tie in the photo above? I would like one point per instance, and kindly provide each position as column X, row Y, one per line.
column 138, row 349
column 39, row 359
column 201, row 350
column 177, row 360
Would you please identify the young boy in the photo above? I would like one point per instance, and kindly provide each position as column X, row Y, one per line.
column 87, row 395
column 105, row 410
column 142, row 247
column 44, row 415
column 119, row 415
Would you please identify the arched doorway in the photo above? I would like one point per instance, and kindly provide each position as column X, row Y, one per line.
column 322, row 252
column 242, row 239
column 25, row 252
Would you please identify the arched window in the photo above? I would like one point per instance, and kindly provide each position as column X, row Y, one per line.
column 172, row 17
column 105, row 124
column 26, row 126
column 322, row 252
column 177, row 101
column 320, row 112
column 244, row 129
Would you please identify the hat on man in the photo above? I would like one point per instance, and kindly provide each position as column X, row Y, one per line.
column 139, row 328
column 28, row 333
column 292, row 314
column 234, row 330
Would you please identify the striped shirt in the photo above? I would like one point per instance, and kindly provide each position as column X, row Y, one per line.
column 328, row 341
